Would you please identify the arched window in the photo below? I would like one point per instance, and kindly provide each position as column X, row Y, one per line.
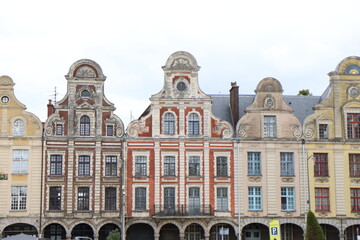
column 169, row 123
column 194, row 124
column 85, row 126
column 18, row 127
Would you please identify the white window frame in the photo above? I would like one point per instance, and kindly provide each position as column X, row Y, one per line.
column 20, row 199
column 138, row 154
column 23, row 161
column 77, row 197
column 81, row 153
column 51, row 152
column 118, row 162
column 227, row 186
column 268, row 131
column 163, row 124
column 169, row 154
column 19, row 131
column 146, row 186
column 188, row 125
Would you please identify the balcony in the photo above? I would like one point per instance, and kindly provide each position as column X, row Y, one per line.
column 183, row 210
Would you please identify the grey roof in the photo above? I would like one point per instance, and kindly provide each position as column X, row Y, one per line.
column 302, row 105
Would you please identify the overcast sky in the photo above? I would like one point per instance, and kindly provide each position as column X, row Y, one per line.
column 296, row 42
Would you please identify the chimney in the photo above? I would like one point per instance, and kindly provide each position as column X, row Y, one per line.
column 234, row 102
column 50, row 108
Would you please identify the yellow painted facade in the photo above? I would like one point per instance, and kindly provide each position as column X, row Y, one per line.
column 20, row 162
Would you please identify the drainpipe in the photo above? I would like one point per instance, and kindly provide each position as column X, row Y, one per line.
column 41, row 183
column 123, row 233
column 305, row 177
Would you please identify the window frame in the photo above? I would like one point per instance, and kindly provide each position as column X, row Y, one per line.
column 19, row 127
column 287, row 198
column 110, row 198
column 222, row 199
column 322, row 199
column 140, row 166
column 85, row 125
column 353, row 125
column 56, row 164
column 20, row 161
column 59, row 129
column 255, row 198
column 323, row 130
column 270, row 126
column 55, row 198
column 254, row 163
column 194, row 165
column 84, row 165
column 169, row 165
column 354, row 165
column 193, row 124
column 140, row 199
column 18, row 198
column 287, row 164
column 83, row 199
column 169, row 123
column 222, row 166
column 110, row 130
column 321, row 165
column 111, row 165
column 355, row 199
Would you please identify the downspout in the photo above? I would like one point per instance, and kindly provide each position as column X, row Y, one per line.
column 41, row 183
column 123, row 233
column 305, row 191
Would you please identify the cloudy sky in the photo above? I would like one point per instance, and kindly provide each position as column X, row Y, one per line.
column 297, row 42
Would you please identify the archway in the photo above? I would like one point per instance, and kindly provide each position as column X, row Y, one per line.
column 222, row 231
column 330, row 232
column 169, row 232
column 18, row 228
column 291, row 231
column 82, row 229
column 352, row 232
column 106, row 229
column 194, row 232
column 255, row 231
column 55, row 232
column 140, row 231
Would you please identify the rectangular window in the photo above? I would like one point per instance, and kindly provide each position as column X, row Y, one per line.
column 109, row 130
column 110, row 166
column 354, row 165
column 194, row 201
column 321, row 165
column 194, row 166
column 222, row 198
column 169, row 166
column 355, row 199
column 287, row 199
column 140, row 166
column 269, row 126
column 83, row 198
column 110, row 198
column 55, row 198
column 287, row 163
column 255, row 199
column 353, row 125
column 140, row 198
column 59, row 129
column 84, row 166
column 169, row 200
column 254, row 163
column 169, row 123
column 221, row 167
column 323, row 131
column 20, row 160
column 18, row 198
column 322, row 202
column 55, row 164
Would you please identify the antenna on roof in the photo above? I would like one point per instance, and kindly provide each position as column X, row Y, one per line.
column 54, row 95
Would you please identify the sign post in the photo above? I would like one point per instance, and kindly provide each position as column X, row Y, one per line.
column 274, row 227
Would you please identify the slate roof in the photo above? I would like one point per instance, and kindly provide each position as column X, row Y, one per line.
column 302, row 105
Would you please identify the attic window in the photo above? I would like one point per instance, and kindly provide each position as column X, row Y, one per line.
column 352, row 69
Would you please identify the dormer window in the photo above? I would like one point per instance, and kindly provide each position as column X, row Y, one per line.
column 18, row 128
column 323, row 131
column 194, row 124
column 109, row 130
column 269, row 126
column 85, row 126
column 169, row 124
column 59, row 128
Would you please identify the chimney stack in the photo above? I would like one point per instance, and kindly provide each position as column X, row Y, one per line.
column 234, row 102
column 50, row 108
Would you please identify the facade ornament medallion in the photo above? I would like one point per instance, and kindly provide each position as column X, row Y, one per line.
column 321, row 180
column 254, row 178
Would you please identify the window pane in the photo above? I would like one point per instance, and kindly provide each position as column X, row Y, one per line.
column 254, row 163
column 110, row 198
column 194, row 124
column 194, row 166
column 85, row 126
column 55, row 164
column 269, row 126
column 287, row 164
column 169, row 166
column 169, row 123
column 111, row 166
column 20, row 160
column 140, row 166
column 18, row 198
column 140, row 198
column 84, row 166
column 83, row 198
column 55, row 198
column 221, row 167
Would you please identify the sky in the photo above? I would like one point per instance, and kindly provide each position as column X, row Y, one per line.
column 296, row 42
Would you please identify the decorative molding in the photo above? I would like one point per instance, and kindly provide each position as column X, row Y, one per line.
column 181, row 64
column 322, row 179
column 287, row 179
column 254, row 178
column 355, row 180
column 85, row 71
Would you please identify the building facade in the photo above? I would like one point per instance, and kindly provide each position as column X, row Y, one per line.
column 83, row 159
column 20, row 164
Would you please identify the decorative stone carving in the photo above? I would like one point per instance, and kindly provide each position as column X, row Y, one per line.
column 242, row 130
column 355, row 180
column 181, row 64
column 85, row 71
column 136, row 128
column 49, row 131
column 322, row 180
column 287, row 179
column 255, row 214
column 222, row 128
column 254, row 178
column 309, row 132
column 119, row 132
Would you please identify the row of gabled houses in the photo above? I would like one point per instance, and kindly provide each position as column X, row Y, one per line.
column 192, row 166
